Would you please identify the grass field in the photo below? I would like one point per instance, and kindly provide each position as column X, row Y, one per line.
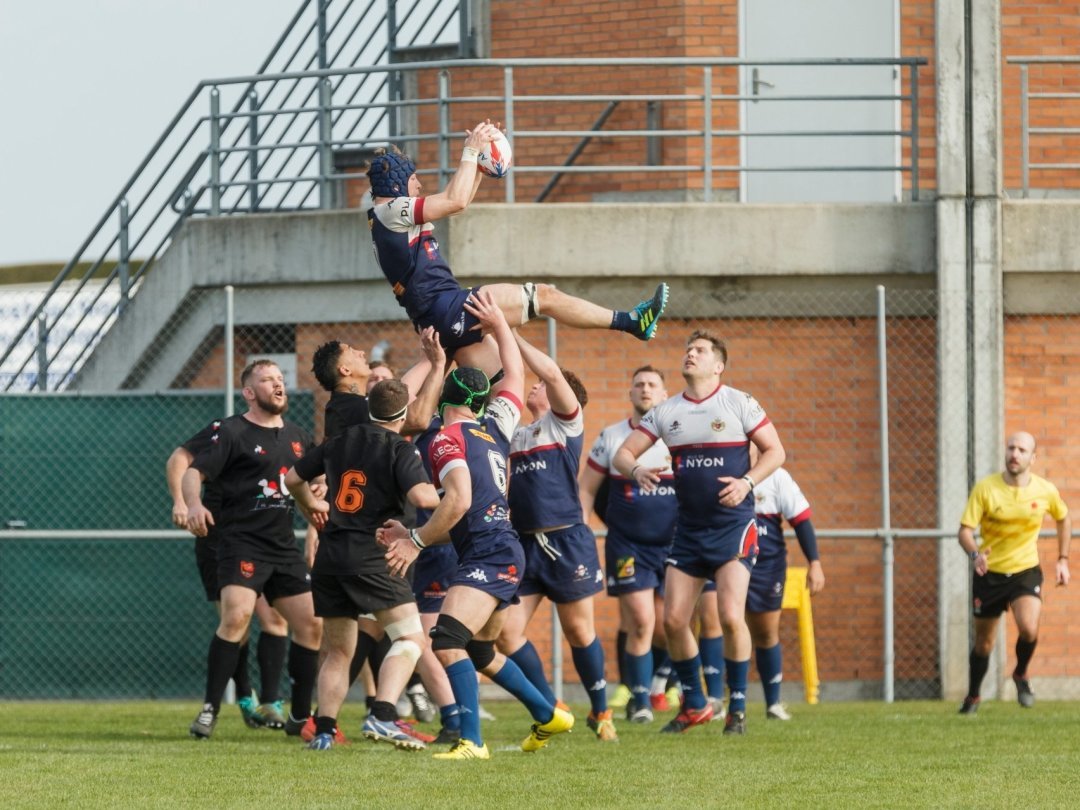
column 912, row 754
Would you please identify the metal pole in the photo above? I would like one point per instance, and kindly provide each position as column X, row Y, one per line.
column 321, row 26
column 707, row 142
column 43, row 353
column 888, row 659
column 393, row 77
column 508, row 123
column 123, row 269
column 324, row 144
column 215, row 152
column 444, row 127
column 253, row 152
column 915, row 133
column 1024, row 128
column 556, row 628
column 230, row 326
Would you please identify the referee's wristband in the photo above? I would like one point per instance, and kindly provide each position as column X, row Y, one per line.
column 416, row 541
column 974, row 555
column 469, row 154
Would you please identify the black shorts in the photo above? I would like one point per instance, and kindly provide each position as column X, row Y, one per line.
column 992, row 593
column 350, row 595
column 274, row 580
column 206, row 560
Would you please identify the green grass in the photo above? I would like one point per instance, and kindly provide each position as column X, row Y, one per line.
column 912, row 754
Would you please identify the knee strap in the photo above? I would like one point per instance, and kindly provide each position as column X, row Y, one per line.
column 407, row 648
column 450, row 634
column 482, row 653
column 530, row 302
column 410, row 626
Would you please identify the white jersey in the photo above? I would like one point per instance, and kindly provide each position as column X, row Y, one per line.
column 776, row 499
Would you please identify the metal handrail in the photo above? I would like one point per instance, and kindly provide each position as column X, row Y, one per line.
column 226, row 153
column 1026, row 130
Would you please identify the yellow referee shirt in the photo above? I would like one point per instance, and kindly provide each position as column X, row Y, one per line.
column 1010, row 518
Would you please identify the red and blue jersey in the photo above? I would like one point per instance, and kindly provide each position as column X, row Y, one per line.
column 708, row 439
column 408, row 254
column 776, row 499
column 481, row 450
column 544, row 459
column 641, row 516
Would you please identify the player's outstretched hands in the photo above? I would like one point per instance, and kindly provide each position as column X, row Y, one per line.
column 648, row 478
column 401, row 552
column 733, row 491
column 199, row 520
column 432, row 347
column 482, row 134
column 481, row 305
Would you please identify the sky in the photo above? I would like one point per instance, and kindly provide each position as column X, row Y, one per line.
column 87, row 86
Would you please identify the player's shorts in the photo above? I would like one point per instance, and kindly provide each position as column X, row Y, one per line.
column 700, row 553
column 274, row 580
column 495, row 570
column 562, row 565
column 992, row 593
column 453, row 323
column 633, row 566
column 433, row 572
column 767, row 580
column 347, row 596
column 207, row 563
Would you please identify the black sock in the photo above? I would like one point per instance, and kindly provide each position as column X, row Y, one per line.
column 325, row 725
column 621, row 321
column 378, row 655
column 620, row 654
column 978, row 664
column 364, row 643
column 382, row 710
column 271, row 655
column 241, row 677
column 220, row 665
column 303, row 670
column 1024, row 651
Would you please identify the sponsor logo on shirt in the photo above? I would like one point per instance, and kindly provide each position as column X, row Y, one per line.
column 530, row 465
column 496, row 513
column 482, row 435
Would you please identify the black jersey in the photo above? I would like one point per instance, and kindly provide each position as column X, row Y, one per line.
column 248, row 462
column 343, row 411
column 211, row 491
column 369, row 470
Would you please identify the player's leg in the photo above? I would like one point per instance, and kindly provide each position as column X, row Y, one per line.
column 237, row 606
column 681, row 592
column 339, row 641
column 662, row 671
column 513, row 643
column 303, row 664
column 1026, row 612
column 271, row 650
column 711, row 644
column 406, row 634
column 637, row 614
column 579, row 627
column 732, row 583
column 522, row 302
column 438, row 685
column 765, row 636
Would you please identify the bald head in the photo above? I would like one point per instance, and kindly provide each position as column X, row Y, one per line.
column 1019, row 453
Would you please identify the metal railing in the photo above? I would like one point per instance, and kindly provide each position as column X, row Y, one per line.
column 1027, row 131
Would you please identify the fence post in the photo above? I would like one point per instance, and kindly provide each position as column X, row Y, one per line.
column 324, row 143
column 914, row 132
column 888, row 659
column 1024, row 133
column 508, row 123
column 556, row 628
column 707, row 144
column 444, row 127
column 215, row 152
column 230, row 346
column 43, row 353
column 253, row 152
column 123, row 268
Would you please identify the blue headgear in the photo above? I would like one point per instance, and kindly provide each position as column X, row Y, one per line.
column 389, row 175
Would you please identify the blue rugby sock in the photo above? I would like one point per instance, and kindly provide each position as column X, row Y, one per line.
column 712, row 665
column 770, row 670
column 462, row 676
column 689, row 672
column 737, row 673
column 638, row 675
column 513, row 680
column 621, row 320
column 589, row 663
column 450, row 717
column 528, row 661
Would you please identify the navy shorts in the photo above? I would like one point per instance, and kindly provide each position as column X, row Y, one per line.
column 633, row 566
column 700, row 553
column 433, row 572
column 992, row 593
column 496, row 570
column 274, row 580
column 206, row 561
column 767, row 580
column 562, row 565
column 453, row 323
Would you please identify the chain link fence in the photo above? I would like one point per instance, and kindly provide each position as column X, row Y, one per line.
column 123, row 615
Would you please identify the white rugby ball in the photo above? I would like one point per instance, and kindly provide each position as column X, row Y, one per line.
column 496, row 157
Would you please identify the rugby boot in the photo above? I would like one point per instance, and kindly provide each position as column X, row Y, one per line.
column 203, row 725
column 735, row 723
column 464, row 749
column 648, row 312
column 688, row 718
column 603, row 726
column 561, row 721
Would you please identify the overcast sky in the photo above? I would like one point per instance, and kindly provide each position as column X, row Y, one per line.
column 87, row 86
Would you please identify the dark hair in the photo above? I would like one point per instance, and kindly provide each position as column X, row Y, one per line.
column 387, row 400
column 249, row 370
column 577, row 386
column 374, row 364
column 717, row 342
column 465, row 386
column 649, row 368
column 324, row 364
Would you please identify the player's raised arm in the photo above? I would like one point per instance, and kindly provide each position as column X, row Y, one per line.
column 462, row 187
column 559, row 393
column 482, row 305
column 424, row 381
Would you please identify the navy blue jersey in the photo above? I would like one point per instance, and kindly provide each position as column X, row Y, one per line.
column 248, row 462
column 472, row 446
column 544, row 459
column 776, row 499
column 707, row 439
column 408, row 254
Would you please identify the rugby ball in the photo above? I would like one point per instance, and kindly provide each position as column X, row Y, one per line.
column 496, row 157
